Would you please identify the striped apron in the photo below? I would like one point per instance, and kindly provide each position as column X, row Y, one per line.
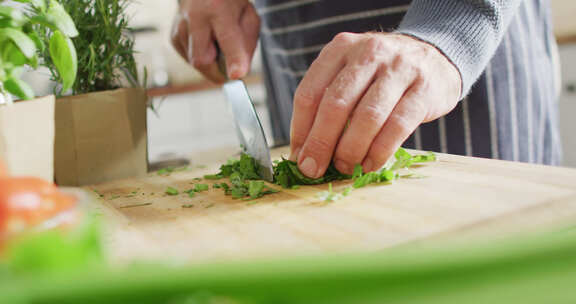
column 510, row 114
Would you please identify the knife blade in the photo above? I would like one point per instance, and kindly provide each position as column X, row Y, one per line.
column 248, row 127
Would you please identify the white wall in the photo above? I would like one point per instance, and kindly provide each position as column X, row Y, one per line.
column 197, row 122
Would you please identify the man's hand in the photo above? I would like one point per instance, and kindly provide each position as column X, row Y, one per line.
column 363, row 97
column 234, row 24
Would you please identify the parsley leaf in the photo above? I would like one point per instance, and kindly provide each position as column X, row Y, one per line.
column 171, row 191
column 201, row 187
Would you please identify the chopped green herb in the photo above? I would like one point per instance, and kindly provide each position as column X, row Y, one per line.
column 358, row 171
column 197, row 179
column 201, row 187
column 191, row 193
column 347, row 191
column 255, row 189
column 188, row 206
column 403, row 160
column 216, row 186
column 213, row 177
column 171, row 191
column 329, row 196
column 114, row 197
column 295, row 187
column 165, row 171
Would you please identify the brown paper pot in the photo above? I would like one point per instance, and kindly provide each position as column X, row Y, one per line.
column 100, row 137
column 27, row 137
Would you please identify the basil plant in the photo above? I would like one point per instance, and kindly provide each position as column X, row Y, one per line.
column 28, row 30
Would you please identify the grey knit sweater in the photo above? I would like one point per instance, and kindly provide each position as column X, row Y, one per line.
column 466, row 31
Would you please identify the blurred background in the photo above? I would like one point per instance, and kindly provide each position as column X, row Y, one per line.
column 190, row 113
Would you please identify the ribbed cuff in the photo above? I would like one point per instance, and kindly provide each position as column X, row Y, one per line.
column 467, row 34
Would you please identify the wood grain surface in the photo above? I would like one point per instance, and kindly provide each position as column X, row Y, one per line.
column 459, row 197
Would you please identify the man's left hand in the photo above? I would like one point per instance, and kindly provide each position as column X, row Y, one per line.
column 363, row 97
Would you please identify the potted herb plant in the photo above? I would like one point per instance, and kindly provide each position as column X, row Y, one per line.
column 27, row 30
column 101, row 127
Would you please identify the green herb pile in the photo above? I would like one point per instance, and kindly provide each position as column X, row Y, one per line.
column 287, row 175
column 247, row 183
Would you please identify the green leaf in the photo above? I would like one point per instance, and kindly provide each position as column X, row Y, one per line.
column 171, row 191
column 201, row 187
column 430, row 157
column 358, row 171
column 190, row 193
column 12, row 55
column 39, row 4
column 22, row 41
column 255, row 189
column 366, row 179
column 56, row 251
column 19, row 88
column 57, row 16
column 64, row 57
column 347, row 191
column 37, row 41
column 14, row 16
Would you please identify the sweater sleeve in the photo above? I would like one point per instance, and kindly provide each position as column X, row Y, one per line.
column 468, row 32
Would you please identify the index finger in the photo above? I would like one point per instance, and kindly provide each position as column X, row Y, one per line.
column 311, row 90
column 233, row 44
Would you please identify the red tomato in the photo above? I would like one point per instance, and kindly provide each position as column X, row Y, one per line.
column 26, row 202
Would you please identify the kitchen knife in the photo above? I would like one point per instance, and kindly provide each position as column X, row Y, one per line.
column 248, row 127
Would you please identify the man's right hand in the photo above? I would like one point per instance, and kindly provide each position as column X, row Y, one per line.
column 234, row 24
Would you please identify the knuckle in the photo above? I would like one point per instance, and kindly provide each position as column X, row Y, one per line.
column 297, row 137
column 401, row 123
column 199, row 65
column 348, row 154
column 336, row 103
column 400, row 62
column 344, row 37
column 319, row 146
column 372, row 115
column 304, row 98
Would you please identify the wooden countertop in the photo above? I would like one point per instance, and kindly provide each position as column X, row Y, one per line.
column 458, row 198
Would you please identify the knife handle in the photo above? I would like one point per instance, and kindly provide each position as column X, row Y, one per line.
column 221, row 60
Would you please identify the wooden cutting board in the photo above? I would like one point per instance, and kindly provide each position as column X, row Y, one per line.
column 458, row 197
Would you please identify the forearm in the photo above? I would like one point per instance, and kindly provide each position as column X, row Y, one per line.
column 468, row 32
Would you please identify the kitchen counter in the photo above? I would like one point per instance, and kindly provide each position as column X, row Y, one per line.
column 458, row 198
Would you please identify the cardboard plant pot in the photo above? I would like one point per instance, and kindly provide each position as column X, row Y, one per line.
column 27, row 137
column 101, row 137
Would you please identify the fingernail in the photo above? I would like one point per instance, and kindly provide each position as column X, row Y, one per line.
column 309, row 167
column 294, row 155
column 367, row 165
column 342, row 166
column 234, row 71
